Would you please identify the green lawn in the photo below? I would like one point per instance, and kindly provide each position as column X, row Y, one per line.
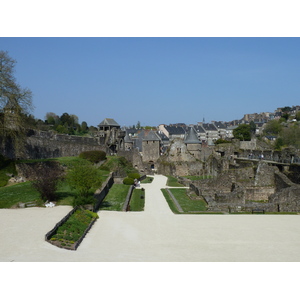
column 22, row 192
column 147, row 180
column 137, row 201
column 188, row 205
column 170, row 201
column 115, row 198
column 172, row 181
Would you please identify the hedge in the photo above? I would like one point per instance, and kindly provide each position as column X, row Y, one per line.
column 93, row 156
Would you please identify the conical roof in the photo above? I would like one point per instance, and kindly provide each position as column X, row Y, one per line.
column 191, row 137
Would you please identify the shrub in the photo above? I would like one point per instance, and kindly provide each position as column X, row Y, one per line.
column 93, row 156
column 128, row 181
column 134, row 175
column 104, row 168
column 83, row 200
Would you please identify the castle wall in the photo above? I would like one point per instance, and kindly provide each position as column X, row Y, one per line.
column 46, row 144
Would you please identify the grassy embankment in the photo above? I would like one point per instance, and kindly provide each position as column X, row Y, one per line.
column 11, row 195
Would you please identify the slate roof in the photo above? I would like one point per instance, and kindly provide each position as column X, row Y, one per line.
column 199, row 129
column 209, row 127
column 175, row 130
column 109, row 122
column 220, row 125
column 151, row 136
column 191, row 137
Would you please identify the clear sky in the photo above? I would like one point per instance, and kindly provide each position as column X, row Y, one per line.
column 157, row 80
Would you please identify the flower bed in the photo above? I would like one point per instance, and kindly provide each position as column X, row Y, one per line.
column 70, row 234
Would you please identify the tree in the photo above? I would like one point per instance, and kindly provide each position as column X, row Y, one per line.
column 273, row 127
column 83, row 177
column 242, row 132
column 15, row 103
column 252, row 127
column 84, row 127
column 46, row 178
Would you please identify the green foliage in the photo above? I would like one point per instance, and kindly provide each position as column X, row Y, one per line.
column 221, row 141
column 79, row 201
column 7, row 166
column 279, row 143
column 273, row 127
column 83, row 177
column 120, row 165
column 134, row 175
column 72, row 230
column 291, row 136
column 128, row 181
column 93, row 156
column 242, row 132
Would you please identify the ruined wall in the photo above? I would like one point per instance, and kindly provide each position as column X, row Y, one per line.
column 46, row 144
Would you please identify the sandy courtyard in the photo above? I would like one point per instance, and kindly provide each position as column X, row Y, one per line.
column 155, row 235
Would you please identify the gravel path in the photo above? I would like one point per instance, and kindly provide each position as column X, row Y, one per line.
column 153, row 235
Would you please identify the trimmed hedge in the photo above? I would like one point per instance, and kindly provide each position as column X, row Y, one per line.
column 128, row 181
column 93, row 156
column 134, row 175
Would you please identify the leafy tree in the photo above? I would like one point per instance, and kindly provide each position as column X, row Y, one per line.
column 273, row 127
column 83, row 177
column 46, row 178
column 291, row 136
column 286, row 109
column 138, row 125
column 252, row 127
column 15, row 103
column 242, row 132
column 51, row 118
column 84, row 127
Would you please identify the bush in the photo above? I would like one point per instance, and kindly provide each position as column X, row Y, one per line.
column 134, row 175
column 78, row 201
column 128, row 181
column 93, row 156
column 104, row 168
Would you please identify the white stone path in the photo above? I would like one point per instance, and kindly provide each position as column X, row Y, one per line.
column 155, row 235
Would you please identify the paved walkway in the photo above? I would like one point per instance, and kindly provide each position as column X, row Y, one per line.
column 153, row 235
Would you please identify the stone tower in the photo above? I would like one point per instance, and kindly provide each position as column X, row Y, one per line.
column 151, row 148
column 193, row 145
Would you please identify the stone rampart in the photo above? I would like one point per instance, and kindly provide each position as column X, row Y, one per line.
column 47, row 144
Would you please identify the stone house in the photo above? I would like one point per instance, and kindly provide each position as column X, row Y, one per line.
column 173, row 131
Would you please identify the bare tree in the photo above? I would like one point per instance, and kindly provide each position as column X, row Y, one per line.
column 15, row 103
column 46, row 178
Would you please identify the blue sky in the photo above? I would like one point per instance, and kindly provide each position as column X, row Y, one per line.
column 157, row 80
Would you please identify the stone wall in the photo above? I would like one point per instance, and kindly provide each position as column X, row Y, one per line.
column 47, row 144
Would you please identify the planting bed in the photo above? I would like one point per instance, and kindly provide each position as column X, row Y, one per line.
column 71, row 232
